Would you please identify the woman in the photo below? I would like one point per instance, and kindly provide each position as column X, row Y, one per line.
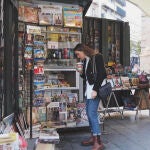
column 91, row 85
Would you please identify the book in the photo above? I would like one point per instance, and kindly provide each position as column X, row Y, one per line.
column 8, row 138
column 44, row 146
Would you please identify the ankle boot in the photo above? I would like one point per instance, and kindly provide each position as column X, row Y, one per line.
column 88, row 142
column 98, row 145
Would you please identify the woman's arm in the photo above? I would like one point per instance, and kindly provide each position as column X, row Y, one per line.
column 101, row 72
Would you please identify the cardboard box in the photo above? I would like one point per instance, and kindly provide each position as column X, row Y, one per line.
column 43, row 146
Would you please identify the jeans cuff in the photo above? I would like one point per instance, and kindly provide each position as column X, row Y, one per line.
column 95, row 134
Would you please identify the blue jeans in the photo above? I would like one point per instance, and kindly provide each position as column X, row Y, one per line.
column 92, row 114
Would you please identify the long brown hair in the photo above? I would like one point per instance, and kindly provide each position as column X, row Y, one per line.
column 84, row 48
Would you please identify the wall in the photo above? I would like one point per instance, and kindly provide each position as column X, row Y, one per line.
column 145, row 44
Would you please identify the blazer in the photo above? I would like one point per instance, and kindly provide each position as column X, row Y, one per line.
column 89, row 75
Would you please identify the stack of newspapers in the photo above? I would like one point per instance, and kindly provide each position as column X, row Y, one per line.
column 48, row 135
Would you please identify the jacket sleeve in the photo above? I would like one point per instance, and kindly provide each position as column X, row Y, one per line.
column 101, row 72
column 82, row 75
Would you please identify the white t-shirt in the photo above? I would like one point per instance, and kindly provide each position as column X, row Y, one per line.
column 89, row 88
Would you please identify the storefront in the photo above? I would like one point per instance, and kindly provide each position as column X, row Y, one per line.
column 110, row 37
column 48, row 87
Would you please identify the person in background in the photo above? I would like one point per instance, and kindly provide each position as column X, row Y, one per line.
column 91, row 86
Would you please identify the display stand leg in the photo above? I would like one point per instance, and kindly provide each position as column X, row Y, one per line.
column 31, row 96
column 106, row 109
column 119, row 110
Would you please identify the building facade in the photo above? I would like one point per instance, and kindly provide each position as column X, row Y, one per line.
column 145, row 45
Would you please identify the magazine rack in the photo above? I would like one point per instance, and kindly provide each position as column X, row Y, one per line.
column 141, row 97
column 108, row 110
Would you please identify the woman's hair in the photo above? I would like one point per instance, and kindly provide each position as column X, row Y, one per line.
column 84, row 48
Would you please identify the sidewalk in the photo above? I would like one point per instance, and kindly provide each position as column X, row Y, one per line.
column 126, row 134
column 119, row 134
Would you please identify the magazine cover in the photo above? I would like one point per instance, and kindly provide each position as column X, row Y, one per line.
column 53, row 37
column 39, row 53
column 30, row 14
column 47, row 96
column 125, row 82
column 56, row 92
column 33, row 29
column 21, row 26
column 28, row 64
column 38, row 70
column 29, row 39
column 38, row 85
column 21, row 13
column 72, row 113
column 38, row 98
column 62, row 116
column 50, row 14
column 39, row 77
column 38, row 101
column 52, row 45
column 117, row 82
column 42, row 114
column 53, row 111
column 38, row 94
column 72, row 97
column 72, row 17
column 28, row 52
column 39, row 45
column 20, row 40
column 62, row 106
column 81, row 111
column 40, row 38
column 35, row 116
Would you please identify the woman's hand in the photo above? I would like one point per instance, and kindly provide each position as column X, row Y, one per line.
column 93, row 94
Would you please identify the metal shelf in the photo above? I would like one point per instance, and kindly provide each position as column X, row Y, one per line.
column 57, row 32
column 62, row 69
column 62, row 88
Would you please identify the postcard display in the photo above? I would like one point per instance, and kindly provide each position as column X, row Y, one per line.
column 48, row 50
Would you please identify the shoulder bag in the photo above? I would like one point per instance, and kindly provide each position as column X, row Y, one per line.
column 105, row 90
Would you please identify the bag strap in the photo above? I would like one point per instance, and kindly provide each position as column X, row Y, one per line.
column 94, row 65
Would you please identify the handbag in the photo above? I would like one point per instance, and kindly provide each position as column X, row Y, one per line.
column 105, row 90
